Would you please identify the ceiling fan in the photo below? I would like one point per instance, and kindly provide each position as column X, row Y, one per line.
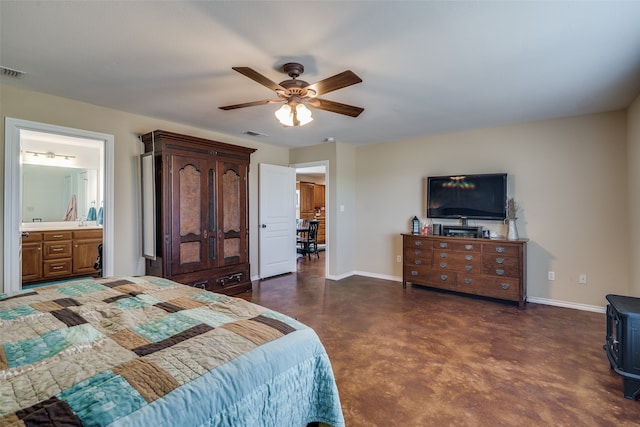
column 298, row 94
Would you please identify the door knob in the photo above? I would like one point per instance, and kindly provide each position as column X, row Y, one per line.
column 264, row 226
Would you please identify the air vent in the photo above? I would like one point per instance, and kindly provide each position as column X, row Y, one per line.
column 9, row 72
column 254, row 133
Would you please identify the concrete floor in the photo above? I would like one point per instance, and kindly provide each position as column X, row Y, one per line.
column 419, row 357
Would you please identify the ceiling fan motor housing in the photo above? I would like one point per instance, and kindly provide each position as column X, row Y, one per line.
column 293, row 69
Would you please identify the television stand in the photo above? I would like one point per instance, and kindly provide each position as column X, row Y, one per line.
column 489, row 268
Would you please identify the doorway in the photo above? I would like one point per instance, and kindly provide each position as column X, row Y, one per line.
column 312, row 192
column 52, row 143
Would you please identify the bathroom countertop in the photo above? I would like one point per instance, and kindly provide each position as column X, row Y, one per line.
column 61, row 225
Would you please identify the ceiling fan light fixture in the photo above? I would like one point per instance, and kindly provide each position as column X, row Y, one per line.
column 299, row 115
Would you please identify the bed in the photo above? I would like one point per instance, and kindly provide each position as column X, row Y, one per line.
column 146, row 351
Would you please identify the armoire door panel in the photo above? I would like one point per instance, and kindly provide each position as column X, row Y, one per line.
column 190, row 252
column 231, row 185
column 233, row 196
column 189, row 199
column 231, row 248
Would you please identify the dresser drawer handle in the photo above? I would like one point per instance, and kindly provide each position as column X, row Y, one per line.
column 418, row 243
column 500, row 249
column 468, row 247
column 468, row 257
column 414, row 273
column 468, row 267
column 467, row 281
column 444, row 277
column 57, row 267
column 57, row 249
column 201, row 285
column 443, row 264
column 506, row 286
column 58, row 236
column 500, row 272
column 443, row 245
column 418, row 261
column 418, row 251
column 443, row 254
column 500, row 260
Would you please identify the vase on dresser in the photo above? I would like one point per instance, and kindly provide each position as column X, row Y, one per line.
column 512, row 230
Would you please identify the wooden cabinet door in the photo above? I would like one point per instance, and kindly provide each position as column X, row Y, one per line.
column 232, row 213
column 318, row 196
column 31, row 261
column 192, row 222
column 306, row 197
column 85, row 255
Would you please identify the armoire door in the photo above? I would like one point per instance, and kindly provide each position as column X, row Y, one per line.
column 192, row 205
column 232, row 212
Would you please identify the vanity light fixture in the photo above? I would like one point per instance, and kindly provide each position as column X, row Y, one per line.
column 51, row 155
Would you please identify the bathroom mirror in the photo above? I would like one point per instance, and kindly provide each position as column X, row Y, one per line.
column 61, row 177
column 50, row 192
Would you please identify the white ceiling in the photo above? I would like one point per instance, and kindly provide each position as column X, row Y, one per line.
column 428, row 67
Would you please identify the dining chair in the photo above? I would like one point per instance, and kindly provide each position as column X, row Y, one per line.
column 308, row 242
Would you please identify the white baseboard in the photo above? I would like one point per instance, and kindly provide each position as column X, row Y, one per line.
column 378, row 276
column 565, row 304
column 341, row 276
column 535, row 300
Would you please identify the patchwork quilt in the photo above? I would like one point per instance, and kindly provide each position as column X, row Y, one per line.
column 146, row 351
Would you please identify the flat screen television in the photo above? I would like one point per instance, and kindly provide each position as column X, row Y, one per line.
column 479, row 196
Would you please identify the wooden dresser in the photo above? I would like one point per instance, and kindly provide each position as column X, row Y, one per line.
column 59, row 254
column 490, row 268
column 201, row 193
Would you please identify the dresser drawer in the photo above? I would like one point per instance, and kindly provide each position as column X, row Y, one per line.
column 417, row 256
column 57, row 235
column 456, row 246
column 500, row 249
column 416, row 242
column 506, row 266
column 503, row 288
column 57, row 267
column 458, row 262
column 55, row 250
column 223, row 279
column 428, row 276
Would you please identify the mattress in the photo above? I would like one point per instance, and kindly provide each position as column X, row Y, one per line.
column 147, row 351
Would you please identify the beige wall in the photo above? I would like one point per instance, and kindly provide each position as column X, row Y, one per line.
column 125, row 127
column 569, row 178
column 574, row 179
column 633, row 120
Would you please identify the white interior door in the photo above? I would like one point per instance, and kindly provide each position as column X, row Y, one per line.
column 277, row 239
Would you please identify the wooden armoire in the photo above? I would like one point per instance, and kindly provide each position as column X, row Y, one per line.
column 201, row 212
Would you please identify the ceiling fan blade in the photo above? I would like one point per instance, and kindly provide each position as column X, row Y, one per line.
column 344, row 79
column 251, row 104
column 335, row 107
column 256, row 76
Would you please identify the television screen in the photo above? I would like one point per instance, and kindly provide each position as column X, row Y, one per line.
column 481, row 196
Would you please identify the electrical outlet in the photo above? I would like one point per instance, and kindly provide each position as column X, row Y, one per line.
column 551, row 275
column 582, row 279
column 398, row 258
